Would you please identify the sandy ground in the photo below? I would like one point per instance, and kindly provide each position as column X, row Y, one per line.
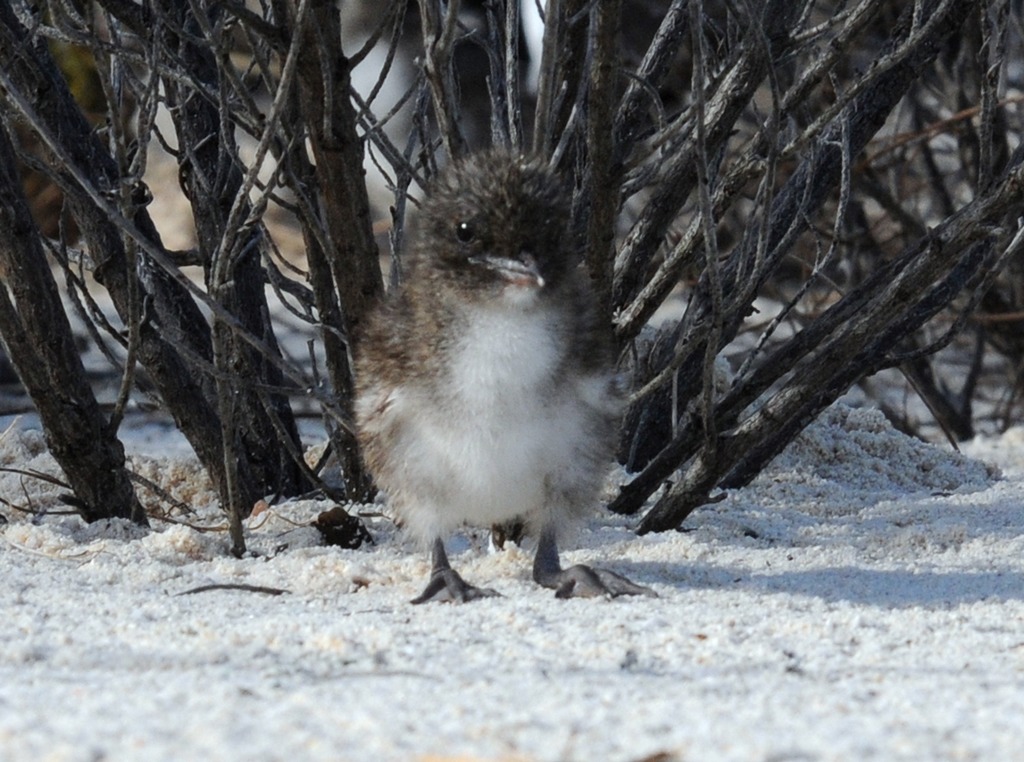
column 861, row 600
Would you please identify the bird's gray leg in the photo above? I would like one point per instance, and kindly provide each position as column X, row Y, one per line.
column 445, row 583
column 578, row 581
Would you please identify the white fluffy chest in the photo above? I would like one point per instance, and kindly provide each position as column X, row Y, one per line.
column 504, row 357
column 507, row 424
column 505, row 412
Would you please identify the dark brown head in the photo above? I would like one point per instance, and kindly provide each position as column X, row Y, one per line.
column 495, row 224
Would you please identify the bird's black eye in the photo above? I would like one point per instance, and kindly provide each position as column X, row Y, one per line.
column 464, row 232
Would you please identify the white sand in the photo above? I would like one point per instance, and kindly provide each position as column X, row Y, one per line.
column 862, row 600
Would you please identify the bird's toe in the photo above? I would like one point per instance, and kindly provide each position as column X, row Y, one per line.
column 582, row 581
column 446, row 586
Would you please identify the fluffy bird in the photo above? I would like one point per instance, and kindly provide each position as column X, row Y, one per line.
column 485, row 387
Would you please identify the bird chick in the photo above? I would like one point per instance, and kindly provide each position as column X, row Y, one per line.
column 484, row 387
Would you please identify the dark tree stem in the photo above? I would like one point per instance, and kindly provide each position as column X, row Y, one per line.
column 346, row 278
column 39, row 342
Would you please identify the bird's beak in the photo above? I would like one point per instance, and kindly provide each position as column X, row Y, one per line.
column 518, row 272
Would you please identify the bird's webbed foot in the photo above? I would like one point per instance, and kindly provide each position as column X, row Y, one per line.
column 446, row 585
column 579, row 581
